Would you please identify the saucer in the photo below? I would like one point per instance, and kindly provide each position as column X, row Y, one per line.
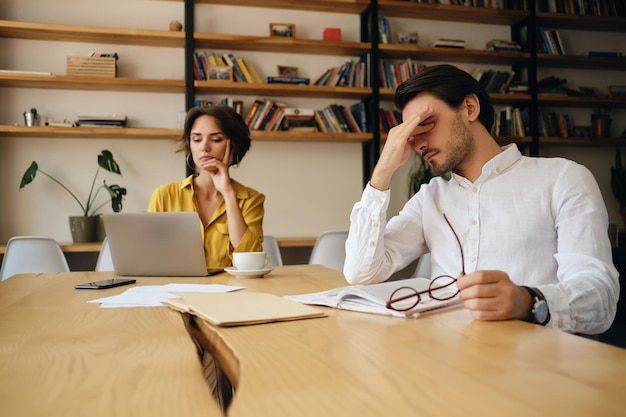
column 252, row 273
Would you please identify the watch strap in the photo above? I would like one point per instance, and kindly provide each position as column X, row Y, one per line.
column 538, row 296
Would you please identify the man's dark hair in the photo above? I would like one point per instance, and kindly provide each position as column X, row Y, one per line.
column 449, row 84
column 231, row 123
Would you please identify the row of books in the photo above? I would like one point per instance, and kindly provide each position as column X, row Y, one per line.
column 394, row 73
column 555, row 124
column 243, row 71
column 584, row 7
column 549, row 42
column 511, row 121
column 494, row 81
column 353, row 73
column 270, row 115
column 388, row 119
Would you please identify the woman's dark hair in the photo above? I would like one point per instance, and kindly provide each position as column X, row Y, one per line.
column 449, row 84
column 229, row 121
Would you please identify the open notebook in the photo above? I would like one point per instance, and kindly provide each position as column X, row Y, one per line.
column 373, row 298
column 156, row 244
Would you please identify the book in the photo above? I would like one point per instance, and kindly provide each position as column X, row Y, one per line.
column 244, row 70
column 373, row 298
column 253, row 72
column 231, row 61
column 297, row 119
column 288, row 80
column 241, row 308
column 448, row 43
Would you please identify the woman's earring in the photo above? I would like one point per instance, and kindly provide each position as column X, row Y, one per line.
column 190, row 163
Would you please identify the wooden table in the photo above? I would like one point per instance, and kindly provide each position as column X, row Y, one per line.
column 60, row 356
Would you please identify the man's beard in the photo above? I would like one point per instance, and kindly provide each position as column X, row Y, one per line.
column 460, row 145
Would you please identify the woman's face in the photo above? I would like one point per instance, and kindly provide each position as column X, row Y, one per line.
column 207, row 141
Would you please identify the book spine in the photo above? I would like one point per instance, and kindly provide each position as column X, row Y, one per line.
column 244, row 70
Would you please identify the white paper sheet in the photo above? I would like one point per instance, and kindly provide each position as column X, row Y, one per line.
column 154, row 295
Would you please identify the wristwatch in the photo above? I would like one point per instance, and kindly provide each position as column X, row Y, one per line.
column 540, row 311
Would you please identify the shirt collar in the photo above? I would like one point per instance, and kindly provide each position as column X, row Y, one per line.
column 495, row 166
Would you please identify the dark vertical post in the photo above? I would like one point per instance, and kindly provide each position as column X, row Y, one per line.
column 190, row 92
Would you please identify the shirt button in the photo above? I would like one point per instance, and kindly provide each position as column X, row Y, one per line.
column 560, row 324
column 372, row 244
column 473, row 222
column 379, row 201
column 473, row 259
column 376, row 224
column 474, row 189
column 497, row 170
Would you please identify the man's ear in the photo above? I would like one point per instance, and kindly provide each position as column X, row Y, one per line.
column 472, row 107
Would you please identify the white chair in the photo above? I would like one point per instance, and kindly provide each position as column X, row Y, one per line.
column 330, row 249
column 105, row 261
column 270, row 247
column 31, row 254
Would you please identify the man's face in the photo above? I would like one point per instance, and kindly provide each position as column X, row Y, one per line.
column 449, row 143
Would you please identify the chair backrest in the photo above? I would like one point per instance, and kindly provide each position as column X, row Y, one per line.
column 330, row 249
column 270, row 247
column 104, row 261
column 422, row 270
column 31, row 254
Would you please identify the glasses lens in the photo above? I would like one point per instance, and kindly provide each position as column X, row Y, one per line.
column 442, row 288
column 403, row 299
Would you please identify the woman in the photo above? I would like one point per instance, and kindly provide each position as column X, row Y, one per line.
column 231, row 214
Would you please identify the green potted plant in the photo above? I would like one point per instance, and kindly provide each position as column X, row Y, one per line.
column 83, row 227
column 618, row 183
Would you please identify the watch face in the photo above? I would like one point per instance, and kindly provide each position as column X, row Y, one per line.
column 541, row 312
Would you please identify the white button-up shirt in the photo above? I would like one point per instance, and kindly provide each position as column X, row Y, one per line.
column 540, row 220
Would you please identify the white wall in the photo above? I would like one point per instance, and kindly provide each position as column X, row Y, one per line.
column 310, row 187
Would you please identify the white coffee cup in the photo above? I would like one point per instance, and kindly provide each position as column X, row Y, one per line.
column 249, row 261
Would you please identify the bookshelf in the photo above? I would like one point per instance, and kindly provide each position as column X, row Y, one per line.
column 182, row 84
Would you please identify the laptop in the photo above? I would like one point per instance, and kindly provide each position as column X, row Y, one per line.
column 156, row 244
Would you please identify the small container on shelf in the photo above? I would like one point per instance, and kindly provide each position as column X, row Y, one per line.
column 90, row 66
column 600, row 126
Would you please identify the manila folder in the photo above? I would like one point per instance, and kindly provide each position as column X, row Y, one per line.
column 242, row 307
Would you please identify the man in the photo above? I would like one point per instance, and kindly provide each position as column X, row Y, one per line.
column 533, row 242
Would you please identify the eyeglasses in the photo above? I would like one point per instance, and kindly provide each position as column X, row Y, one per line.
column 440, row 288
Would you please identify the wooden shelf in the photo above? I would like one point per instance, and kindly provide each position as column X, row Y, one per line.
column 546, row 99
column 285, row 45
column 610, row 142
column 263, row 136
column 575, row 22
column 169, row 134
column 280, row 90
column 496, row 98
column 333, row 6
column 582, row 62
column 91, row 34
column 482, row 56
column 88, row 132
column 483, row 15
column 62, row 82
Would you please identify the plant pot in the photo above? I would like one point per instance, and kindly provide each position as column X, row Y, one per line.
column 84, row 228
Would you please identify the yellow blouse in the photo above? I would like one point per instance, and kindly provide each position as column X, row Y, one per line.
column 179, row 196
